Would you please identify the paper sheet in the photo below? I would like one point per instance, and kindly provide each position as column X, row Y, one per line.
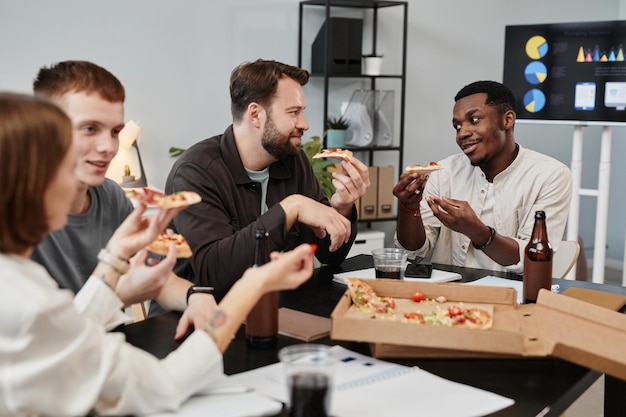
column 236, row 404
column 366, row 386
column 436, row 276
column 503, row 282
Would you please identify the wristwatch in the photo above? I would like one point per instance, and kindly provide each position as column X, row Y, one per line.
column 195, row 289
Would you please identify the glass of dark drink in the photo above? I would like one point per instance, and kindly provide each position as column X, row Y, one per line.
column 309, row 372
column 390, row 263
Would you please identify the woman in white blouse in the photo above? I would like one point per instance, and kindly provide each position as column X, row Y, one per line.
column 56, row 357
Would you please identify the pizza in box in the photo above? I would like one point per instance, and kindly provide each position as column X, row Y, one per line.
column 417, row 309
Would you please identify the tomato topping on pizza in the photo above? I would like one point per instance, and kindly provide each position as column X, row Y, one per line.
column 161, row 244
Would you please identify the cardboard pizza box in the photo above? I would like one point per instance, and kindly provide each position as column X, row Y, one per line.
column 558, row 325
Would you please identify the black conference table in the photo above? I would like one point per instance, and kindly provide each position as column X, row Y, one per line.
column 539, row 386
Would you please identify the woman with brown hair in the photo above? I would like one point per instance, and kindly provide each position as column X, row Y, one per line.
column 47, row 335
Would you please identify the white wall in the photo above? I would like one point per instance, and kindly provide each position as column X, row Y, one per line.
column 175, row 57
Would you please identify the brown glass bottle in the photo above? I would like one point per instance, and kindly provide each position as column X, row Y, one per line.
column 537, row 260
column 262, row 321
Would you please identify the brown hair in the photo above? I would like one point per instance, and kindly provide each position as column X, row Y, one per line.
column 78, row 76
column 256, row 82
column 35, row 136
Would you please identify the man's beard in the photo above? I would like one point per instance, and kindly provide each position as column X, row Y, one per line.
column 277, row 144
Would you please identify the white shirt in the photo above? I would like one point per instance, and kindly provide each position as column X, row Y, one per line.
column 57, row 359
column 532, row 182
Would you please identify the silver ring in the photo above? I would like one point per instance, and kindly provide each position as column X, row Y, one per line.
column 417, row 192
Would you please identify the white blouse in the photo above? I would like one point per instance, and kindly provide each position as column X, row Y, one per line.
column 56, row 357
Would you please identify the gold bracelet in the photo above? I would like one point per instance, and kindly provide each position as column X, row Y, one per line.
column 118, row 264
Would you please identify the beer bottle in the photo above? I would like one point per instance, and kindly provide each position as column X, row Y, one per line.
column 262, row 321
column 537, row 260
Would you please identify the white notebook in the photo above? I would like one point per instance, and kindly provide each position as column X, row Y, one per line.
column 436, row 276
column 370, row 387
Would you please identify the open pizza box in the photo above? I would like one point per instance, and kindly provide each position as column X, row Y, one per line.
column 558, row 325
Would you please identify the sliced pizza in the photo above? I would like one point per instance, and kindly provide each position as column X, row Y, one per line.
column 155, row 198
column 434, row 312
column 365, row 299
column 423, row 169
column 453, row 316
column 146, row 195
column 161, row 245
column 343, row 154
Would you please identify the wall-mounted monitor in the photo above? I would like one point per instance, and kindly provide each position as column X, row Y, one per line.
column 568, row 72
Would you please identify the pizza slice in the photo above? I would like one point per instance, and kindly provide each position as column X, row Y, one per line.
column 342, row 154
column 155, row 198
column 161, row 244
column 365, row 299
column 423, row 169
column 453, row 316
column 146, row 195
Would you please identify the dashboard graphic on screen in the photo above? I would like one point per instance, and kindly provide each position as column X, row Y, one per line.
column 568, row 72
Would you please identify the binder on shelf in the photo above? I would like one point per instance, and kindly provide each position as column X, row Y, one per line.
column 345, row 47
column 386, row 199
column 369, row 201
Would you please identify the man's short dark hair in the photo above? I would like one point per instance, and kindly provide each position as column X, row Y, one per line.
column 257, row 82
column 498, row 95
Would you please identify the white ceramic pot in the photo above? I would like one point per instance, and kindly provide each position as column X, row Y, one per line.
column 372, row 65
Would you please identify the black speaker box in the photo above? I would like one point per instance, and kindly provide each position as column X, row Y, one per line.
column 344, row 50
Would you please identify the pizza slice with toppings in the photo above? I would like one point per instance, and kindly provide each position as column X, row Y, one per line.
column 423, row 169
column 161, row 244
column 342, row 154
column 454, row 316
column 365, row 299
column 151, row 197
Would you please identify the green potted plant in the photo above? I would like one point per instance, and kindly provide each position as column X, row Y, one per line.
column 337, row 131
column 320, row 166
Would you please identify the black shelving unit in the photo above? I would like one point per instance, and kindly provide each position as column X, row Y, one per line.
column 373, row 5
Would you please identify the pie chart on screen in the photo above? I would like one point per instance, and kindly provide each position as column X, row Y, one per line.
column 536, row 72
column 534, row 101
column 536, row 47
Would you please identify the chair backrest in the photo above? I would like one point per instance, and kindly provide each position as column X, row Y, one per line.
column 565, row 258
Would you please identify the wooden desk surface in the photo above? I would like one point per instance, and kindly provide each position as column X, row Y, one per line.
column 539, row 386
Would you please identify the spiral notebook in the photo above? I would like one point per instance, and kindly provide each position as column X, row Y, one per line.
column 365, row 386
